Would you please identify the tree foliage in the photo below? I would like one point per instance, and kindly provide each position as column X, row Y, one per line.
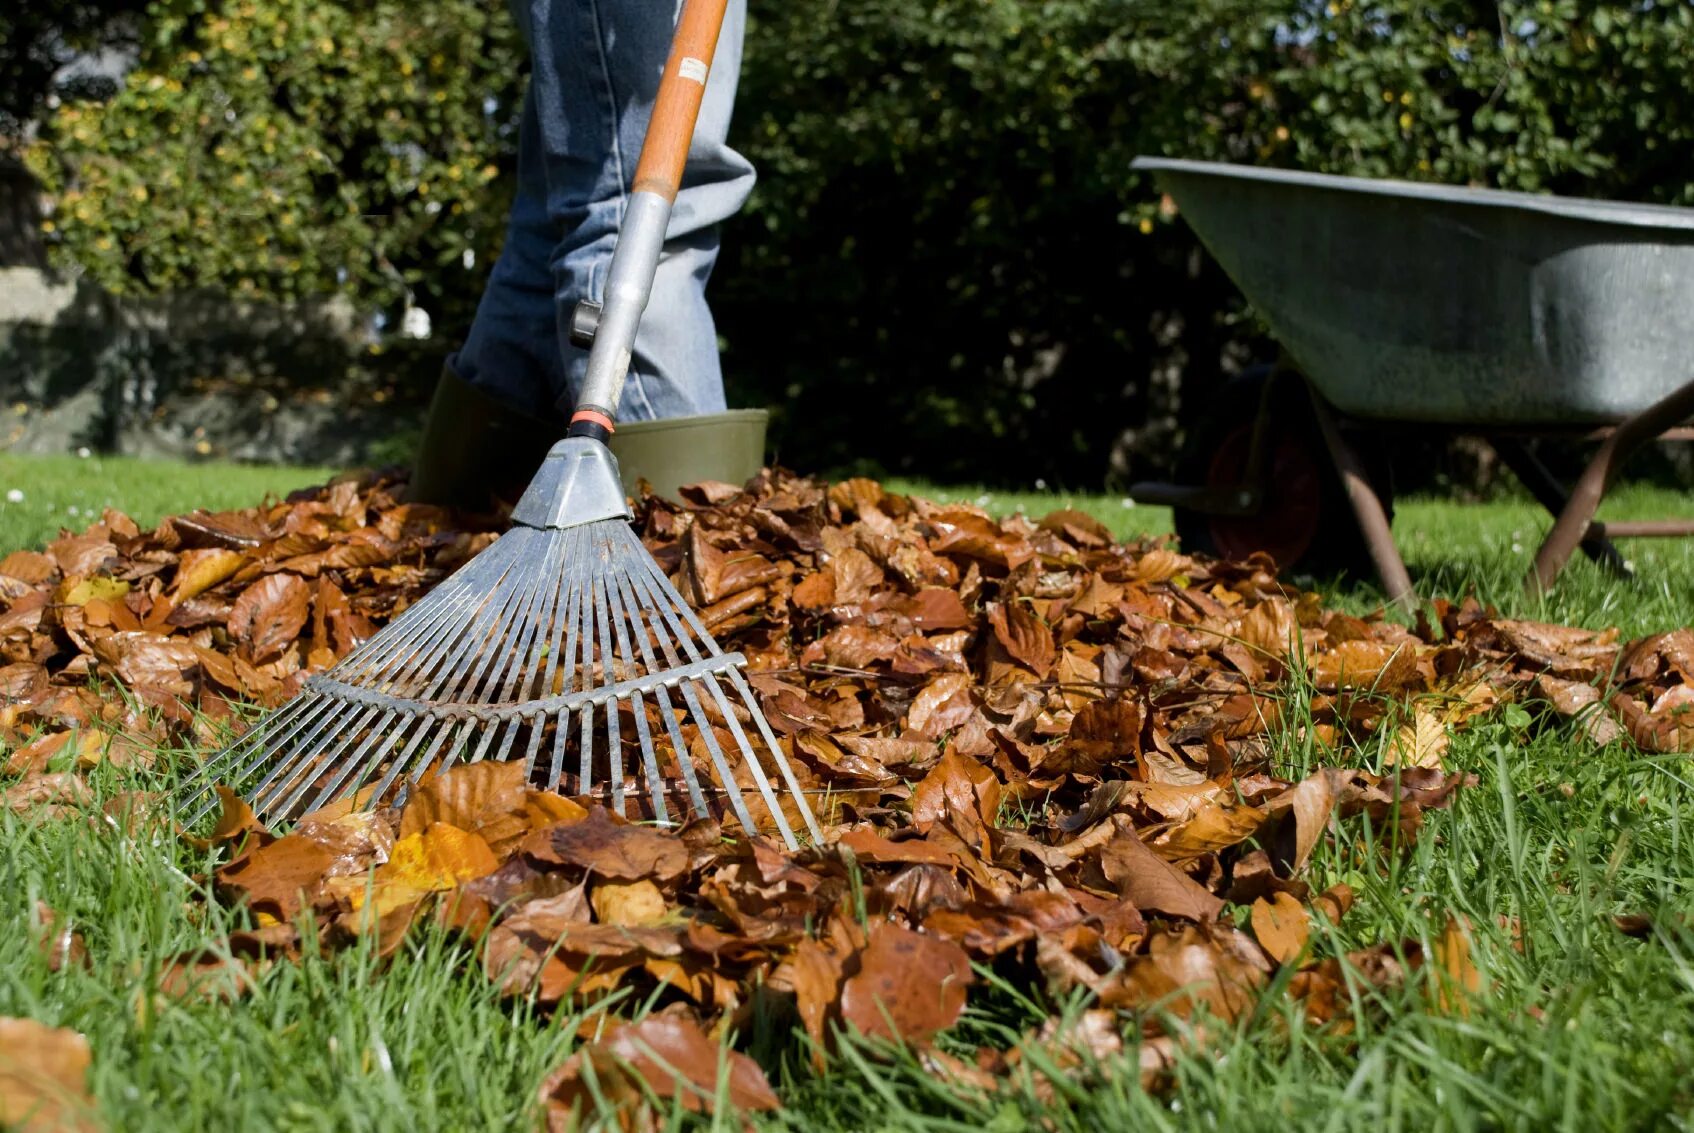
column 288, row 148
column 40, row 38
column 946, row 229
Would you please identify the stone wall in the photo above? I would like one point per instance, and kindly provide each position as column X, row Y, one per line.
column 196, row 375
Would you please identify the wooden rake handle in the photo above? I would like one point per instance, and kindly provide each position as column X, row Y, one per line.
column 641, row 235
column 665, row 149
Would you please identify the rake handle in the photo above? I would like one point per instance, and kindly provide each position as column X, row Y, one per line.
column 641, row 237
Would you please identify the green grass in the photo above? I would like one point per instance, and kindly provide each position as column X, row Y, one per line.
column 70, row 492
column 1579, row 1026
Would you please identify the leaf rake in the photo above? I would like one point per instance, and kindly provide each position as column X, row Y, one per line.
column 563, row 640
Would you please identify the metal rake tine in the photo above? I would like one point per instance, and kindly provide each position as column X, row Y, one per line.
column 707, row 642
column 433, row 644
column 614, row 742
column 585, row 741
column 662, row 696
column 402, row 762
column 510, row 632
column 541, row 626
column 435, row 616
column 535, row 619
column 502, row 681
column 460, row 738
column 744, row 687
column 561, row 729
column 635, row 584
column 266, row 797
column 591, row 615
column 358, row 760
column 558, row 617
column 752, row 757
column 311, row 722
column 204, row 781
column 649, row 757
column 661, row 595
column 561, row 644
column 480, row 644
column 657, row 581
column 726, row 777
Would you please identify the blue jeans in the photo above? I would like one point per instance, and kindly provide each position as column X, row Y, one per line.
column 595, row 67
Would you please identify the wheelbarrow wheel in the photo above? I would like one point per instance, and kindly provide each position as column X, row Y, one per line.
column 1305, row 523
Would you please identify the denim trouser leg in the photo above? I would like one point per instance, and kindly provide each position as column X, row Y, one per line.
column 595, row 71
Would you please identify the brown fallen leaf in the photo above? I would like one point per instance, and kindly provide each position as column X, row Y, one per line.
column 60, row 943
column 200, row 570
column 235, row 821
column 1280, row 924
column 1422, row 742
column 1025, row 636
column 43, row 1078
column 438, row 858
column 1150, row 882
column 907, row 986
column 668, row 1056
column 279, row 879
column 270, row 614
column 610, row 849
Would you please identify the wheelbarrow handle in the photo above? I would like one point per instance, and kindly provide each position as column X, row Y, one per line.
column 610, row 327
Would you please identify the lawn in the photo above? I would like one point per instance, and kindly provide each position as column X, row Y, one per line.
column 1576, row 1025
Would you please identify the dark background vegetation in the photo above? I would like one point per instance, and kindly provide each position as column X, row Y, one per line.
column 947, row 269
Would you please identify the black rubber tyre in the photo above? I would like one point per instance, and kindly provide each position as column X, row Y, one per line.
column 1306, row 524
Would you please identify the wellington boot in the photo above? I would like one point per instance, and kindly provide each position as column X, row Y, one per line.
column 477, row 451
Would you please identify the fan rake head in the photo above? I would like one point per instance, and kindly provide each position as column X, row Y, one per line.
column 562, row 644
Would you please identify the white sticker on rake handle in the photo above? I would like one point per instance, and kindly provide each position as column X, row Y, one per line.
column 692, row 69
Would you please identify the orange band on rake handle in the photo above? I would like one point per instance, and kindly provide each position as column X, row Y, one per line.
column 591, row 423
column 680, row 92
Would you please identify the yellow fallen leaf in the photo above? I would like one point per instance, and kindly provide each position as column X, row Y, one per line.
column 199, row 571
column 439, row 858
column 1458, row 979
column 82, row 591
column 635, row 903
column 1420, row 743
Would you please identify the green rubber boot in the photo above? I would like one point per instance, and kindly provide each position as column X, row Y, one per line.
column 669, row 453
column 477, row 452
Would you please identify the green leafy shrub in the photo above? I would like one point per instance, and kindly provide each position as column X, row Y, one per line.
column 289, row 148
column 947, row 267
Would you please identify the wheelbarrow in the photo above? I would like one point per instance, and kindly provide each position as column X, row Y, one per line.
column 1403, row 306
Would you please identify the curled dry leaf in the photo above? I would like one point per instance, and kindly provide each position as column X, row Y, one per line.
column 235, row 821
column 435, row 859
column 1151, row 883
column 61, row 945
column 667, row 1058
column 610, row 849
column 1457, row 980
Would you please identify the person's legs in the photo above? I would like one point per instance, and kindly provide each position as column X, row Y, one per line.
column 595, row 72
column 511, row 351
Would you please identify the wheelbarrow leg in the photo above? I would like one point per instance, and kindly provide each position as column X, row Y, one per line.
column 1367, row 508
column 1572, row 524
column 1551, row 494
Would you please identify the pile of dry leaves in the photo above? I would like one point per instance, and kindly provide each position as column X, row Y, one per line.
column 1057, row 752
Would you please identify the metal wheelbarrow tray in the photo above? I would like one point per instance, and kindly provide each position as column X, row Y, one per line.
column 1496, row 313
